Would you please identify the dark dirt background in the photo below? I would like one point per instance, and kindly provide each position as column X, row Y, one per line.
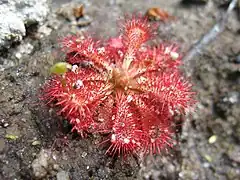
column 45, row 149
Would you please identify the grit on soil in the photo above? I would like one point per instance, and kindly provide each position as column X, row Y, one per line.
column 34, row 144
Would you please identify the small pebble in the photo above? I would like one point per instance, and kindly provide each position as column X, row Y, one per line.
column 5, row 125
column 84, row 154
column 34, row 143
column 56, row 167
column 44, row 31
column 212, row 139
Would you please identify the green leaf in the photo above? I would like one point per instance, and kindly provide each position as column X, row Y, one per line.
column 60, row 68
column 11, row 137
column 208, row 158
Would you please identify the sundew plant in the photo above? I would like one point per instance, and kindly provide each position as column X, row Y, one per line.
column 121, row 88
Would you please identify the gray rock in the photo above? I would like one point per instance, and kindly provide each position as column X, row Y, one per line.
column 12, row 28
column 16, row 15
column 40, row 164
column 43, row 164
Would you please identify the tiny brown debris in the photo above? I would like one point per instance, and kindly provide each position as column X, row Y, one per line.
column 71, row 11
column 159, row 14
column 75, row 14
column 78, row 11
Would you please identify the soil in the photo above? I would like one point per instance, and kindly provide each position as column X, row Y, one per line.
column 35, row 145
